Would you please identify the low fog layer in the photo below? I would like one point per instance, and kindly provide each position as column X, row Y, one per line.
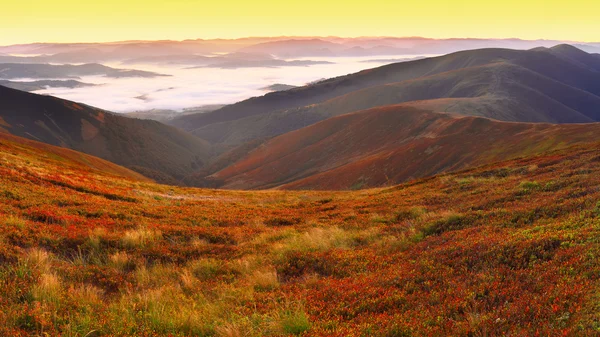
column 188, row 88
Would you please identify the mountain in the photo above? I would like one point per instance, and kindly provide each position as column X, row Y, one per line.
column 283, row 45
column 576, row 55
column 507, row 249
column 155, row 149
column 558, row 85
column 294, row 48
column 31, row 70
column 235, row 64
column 278, row 87
column 164, row 115
column 389, row 145
column 501, row 91
column 43, row 84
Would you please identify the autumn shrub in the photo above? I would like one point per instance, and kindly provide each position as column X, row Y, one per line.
column 397, row 330
column 377, row 218
column 297, row 264
column 282, row 222
column 13, row 221
column 210, row 269
column 47, row 217
column 520, row 255
column 526, row 187
column 369, row 263
column 597, row 209
column 412, row 213
column 11, row 195
column 451, row 222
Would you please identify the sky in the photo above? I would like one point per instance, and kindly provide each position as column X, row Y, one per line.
column 26, row 21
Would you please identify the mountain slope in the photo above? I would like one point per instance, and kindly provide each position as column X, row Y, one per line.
column 501, row 91
column 334, row 87
column 140, row 144
column 389, row 145
column 42, row 71
column 558, row 85
column 66, row 158
column 43, row 84
column 576, row 55
column 508, row 249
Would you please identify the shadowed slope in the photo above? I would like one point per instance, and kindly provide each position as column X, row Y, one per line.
column 501, row 91
column 129, row 142
column 566, row 66
column 389, row 145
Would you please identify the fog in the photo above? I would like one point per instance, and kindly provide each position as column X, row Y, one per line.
column 187, row 88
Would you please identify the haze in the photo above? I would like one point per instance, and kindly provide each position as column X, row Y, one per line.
column 112, row 20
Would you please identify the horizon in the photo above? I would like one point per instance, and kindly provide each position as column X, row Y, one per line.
column 307, row 37
column 110, row 21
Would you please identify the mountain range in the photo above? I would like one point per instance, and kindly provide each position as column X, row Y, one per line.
column 559, row 85
column 376, row 127
column 283, row 47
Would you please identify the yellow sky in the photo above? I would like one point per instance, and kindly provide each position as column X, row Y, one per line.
column 23, row 21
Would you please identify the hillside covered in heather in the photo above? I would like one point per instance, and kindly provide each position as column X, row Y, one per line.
column 504, row 249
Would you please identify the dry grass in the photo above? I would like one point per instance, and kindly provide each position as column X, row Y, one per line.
column 48, row 288
column 140, row 237
column 38, row 259
column 121, row 261
column 264, row 280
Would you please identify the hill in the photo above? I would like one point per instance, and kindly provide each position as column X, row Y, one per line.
column 143, row 145
column 505, row 249
column 389, row 145
column 558, row 85
column 501, row 91
column 41, row 71
column 43, row 84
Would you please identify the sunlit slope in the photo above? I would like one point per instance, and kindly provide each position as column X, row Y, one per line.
column 506, row 249
column 61, row 158
column 389, row 145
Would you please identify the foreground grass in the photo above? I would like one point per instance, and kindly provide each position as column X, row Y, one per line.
column 509, row 249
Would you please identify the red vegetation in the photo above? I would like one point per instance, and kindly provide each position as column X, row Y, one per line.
column 390, row 145
column 505, row 249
